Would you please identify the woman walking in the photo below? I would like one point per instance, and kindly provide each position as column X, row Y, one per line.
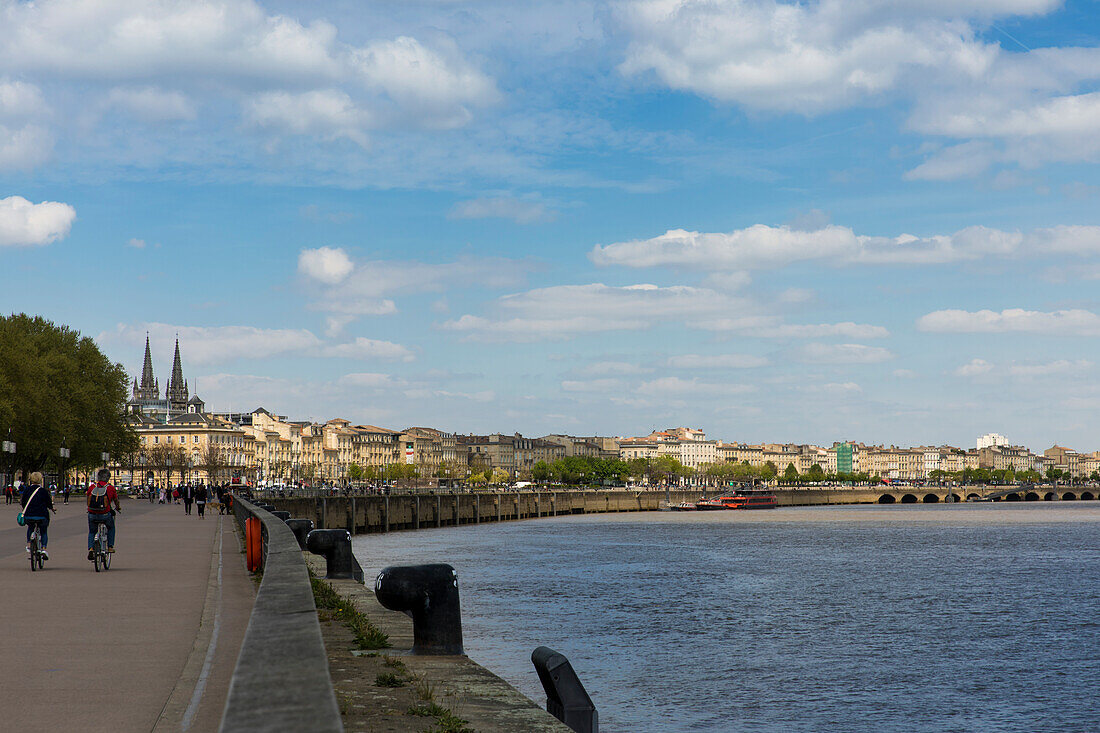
column 200, row 500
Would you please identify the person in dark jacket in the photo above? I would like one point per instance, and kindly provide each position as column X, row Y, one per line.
column 37, row 504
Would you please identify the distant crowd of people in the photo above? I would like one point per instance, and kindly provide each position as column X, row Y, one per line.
column 193, row 495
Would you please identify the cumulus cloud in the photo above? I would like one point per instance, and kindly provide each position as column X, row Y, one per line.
column 843, row 354
column 364, row 348
column 614, row 367
column 677, row 387
column 1059, row 367
column 136, row 243
column 521, row 212
column 211, row 344
column 761, row 246
column 717, row 361
column 592, row 385
column 564, row 311
column 24, row 148
column 326, row 113
column 329, row 265
column 23, row 223
column 1012, row 320
column 365, row 288
column 974, row 368
column 1023, row 107
column 152, row 104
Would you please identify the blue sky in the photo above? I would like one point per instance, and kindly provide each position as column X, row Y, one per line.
column 875, row 220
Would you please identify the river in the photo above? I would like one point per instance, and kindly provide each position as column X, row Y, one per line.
column 965, row 617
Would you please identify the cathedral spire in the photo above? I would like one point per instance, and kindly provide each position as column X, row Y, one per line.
column 147, row 370
column 176, row 393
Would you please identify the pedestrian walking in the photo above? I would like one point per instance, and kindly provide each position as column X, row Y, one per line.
column 200, row 500
column 187, row 493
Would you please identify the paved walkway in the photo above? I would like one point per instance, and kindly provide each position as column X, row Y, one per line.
column 149, row 645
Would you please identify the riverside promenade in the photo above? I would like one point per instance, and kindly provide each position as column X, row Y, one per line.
column 149, row 645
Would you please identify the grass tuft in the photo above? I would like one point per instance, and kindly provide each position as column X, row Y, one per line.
column 388, row 679
column 445, row 720
column 367, row 635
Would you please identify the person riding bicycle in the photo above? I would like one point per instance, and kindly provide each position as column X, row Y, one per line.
column 100, row 497
column 37, row 505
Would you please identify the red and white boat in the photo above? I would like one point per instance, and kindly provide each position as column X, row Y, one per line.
column 742, row 499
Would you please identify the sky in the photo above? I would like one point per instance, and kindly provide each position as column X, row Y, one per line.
column 869, row 220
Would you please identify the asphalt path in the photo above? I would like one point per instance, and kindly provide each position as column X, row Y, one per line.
column 148, row 645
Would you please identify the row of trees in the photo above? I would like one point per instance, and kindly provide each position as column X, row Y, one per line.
column 57, row 389
column 1003, row 476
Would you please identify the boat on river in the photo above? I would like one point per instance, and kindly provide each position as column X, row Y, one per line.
column 742, row 499
column 684, row 506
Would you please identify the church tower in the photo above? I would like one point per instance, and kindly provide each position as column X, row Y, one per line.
column 177, row 392
column 149, row 389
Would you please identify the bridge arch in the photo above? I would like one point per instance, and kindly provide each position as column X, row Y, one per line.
column 930, row 499
column 1069, row 496
column 1050, row 496
column 908, row 499
column 1031, row 496
column 1087, row 495
column 1012, row 497
column 973, row 497
column 886, row 499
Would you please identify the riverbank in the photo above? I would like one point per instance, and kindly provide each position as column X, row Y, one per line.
column 392, row 690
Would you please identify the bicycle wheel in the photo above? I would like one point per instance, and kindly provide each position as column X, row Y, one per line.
column 41, row 562
column 106, row 560
column 96, row 558
column 34, row 552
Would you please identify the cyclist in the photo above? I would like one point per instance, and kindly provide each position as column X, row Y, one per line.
column 100, row 497
column 37, row 505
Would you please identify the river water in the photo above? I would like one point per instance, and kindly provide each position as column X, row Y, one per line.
column 903, row 618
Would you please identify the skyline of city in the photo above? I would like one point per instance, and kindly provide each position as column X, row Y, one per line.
column 788, row 222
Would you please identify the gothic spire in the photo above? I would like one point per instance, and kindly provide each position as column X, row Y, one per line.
column 147, row 370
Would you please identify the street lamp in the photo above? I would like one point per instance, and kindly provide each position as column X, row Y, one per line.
column 63, row 455
column 141, row 462
column 190, row 468
column 9, row 448
column 168, row 465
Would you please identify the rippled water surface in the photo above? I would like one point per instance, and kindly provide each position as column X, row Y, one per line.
column 902, row 618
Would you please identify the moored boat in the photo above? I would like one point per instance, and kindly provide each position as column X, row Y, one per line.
column 742, row 499
column 684, row 506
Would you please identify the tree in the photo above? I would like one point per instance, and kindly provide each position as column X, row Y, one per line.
column 790, row 474
column 816, row 473
column 769, row 471
column 355, row 472
column 213, row 462
column 540, row 472
column 57, row 385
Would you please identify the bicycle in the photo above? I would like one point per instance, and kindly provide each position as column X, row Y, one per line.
column 37, row 558
column 101, row 558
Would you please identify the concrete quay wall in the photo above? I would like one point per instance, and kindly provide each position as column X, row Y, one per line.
column 368, row 514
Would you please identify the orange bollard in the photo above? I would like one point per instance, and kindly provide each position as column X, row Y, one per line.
column 253, row 543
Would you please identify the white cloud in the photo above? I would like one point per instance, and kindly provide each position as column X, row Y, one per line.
column 593, row 385
column 904, row 373
column 213, row 344
column 843, row 354
column 613, row 367
column 838, row 388
column 152, row 104
column 371, row 380
column 23, row 223
column 20, row 101
column 136, row 243
column 717, row 361
column 677, row 387
column 327, row 264
column 1012, row 320
column 1059, row 367
column 364, row 348
column 974, row 368
column 803, row 58
column 762, row 246
column 24, row 148
column 362, row 289
column 521, row 212
column 327, row 113
column 433, row 87
column 563, row 311
column 1024, row 107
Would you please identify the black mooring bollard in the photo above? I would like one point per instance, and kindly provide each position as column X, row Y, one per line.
column 267, row 507
column 281, row 515
column 566, row 698
column 335, row 545
column 300, row 528
column 429, row 595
